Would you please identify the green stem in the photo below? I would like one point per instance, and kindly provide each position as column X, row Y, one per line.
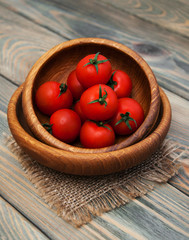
column 111, row 83
column 101, row 124
column 102, row 98
column 95, row 62
column 126, row 118
column 63, row 87
column 48, row 127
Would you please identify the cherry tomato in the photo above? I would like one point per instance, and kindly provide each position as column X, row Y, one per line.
column 77, row 109
column 93, row 69
column 52, row 96
column 121, row 83
column 129, row 116
column 99, row 102
column 96, row 134
column 65, row 124
column 74, row 85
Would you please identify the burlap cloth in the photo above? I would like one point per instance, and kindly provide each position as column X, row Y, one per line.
column 77, row 199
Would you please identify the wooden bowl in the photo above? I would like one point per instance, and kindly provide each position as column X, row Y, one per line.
column 56, row 65
column 86, row 163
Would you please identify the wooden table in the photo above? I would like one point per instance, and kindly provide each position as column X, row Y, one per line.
column 159, row 32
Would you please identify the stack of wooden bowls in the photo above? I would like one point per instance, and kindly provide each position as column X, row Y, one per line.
column 55, row 65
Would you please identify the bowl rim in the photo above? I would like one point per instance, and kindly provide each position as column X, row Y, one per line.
column 80, row 163
column 46, row 137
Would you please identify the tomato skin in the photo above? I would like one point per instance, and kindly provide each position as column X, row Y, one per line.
column 94, row 136
column 48, row 100
column 77, row 109
column 88, row 76
column 66, row 125
column 96, row 111
column 136, row 112
column 122, row 83
column 74, row 85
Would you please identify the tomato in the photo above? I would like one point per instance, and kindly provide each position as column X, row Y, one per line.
column 96, row 134
column 65, row 124
column 52, row 96
column 93, row 69
column 121, row 83
column 74, row 85
column 129, row 116
column 77, row 109
column 99, row 102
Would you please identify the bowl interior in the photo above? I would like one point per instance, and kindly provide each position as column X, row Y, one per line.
column 58, row 66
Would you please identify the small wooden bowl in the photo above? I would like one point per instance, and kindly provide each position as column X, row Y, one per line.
column 56, row 65
column 86, row 163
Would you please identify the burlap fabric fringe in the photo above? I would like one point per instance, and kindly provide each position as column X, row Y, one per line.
column 77, row 199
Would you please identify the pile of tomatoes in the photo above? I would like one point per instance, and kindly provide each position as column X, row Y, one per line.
column 95, row 104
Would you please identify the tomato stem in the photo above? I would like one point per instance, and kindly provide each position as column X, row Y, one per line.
column 48, row 127
column 95, row 62
column 101, row 99
column 101, row 124
column 111, row 83
column 63, row 87
column 126, row 118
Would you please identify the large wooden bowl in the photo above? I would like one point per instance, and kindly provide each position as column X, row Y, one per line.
column 86, row 163
column 58, row 62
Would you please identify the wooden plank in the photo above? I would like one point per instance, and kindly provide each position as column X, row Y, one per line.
column 122, row 223
column 181, row 181
column 14, row 226
column 179, row 130
column 172, row 15
column 180, row 133
column 166, row 52
column 16, row 189
column 158, row 215
column 158, row 46
column 22, row 43
column 162, row 212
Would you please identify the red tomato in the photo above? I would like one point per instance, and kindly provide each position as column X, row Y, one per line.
column 96, row 135
column 121, row 83
column 129, row 116
column 75, row 86
column 99, row 102
column 52, row 96
column 65, row 124
column 93, row 69
column 77, row 109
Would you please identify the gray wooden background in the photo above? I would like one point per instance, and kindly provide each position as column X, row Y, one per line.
column 159, row 32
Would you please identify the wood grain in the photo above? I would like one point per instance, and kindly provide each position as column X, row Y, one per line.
column 172, row 15
column 181, row 181
column 60, row 61
column 166, row 52
column 177, row 130
column 14, row 226
column 18, row 51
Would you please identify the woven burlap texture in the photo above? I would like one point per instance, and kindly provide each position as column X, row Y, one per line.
column 77, row 199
